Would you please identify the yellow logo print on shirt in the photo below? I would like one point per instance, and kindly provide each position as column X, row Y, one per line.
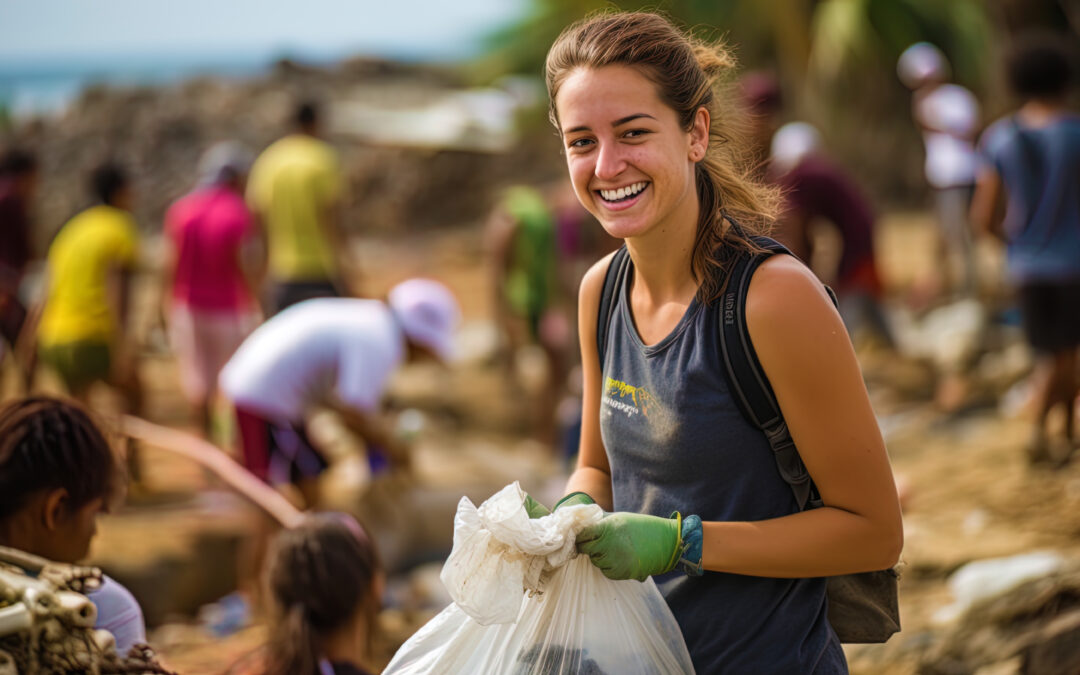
column 642, row 400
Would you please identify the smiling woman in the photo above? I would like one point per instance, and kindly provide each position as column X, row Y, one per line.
column 656, row 157
column 693, row 95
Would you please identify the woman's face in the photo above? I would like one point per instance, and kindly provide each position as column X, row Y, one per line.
column 631, row 164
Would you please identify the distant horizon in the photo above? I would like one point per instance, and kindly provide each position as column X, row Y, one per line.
column 89, row 61
column 60, row 32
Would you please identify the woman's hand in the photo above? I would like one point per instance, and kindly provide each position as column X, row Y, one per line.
column 631, row 545
column 534, row 508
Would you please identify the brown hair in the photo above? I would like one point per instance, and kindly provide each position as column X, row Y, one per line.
column 319, row 574
column 47, row 443
column 689, row 74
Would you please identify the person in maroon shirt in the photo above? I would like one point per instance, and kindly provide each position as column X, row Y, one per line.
column 815, row 188
column 18, row 182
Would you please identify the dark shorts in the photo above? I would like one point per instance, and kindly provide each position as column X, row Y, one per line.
column 12, row 317
column 287, row 293
column 277, row 452
column 79, row 364
column 1051, row 315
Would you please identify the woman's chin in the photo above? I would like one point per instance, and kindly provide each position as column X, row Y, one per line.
column 624, row 228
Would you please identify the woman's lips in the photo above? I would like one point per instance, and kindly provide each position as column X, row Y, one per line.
column 622, row 204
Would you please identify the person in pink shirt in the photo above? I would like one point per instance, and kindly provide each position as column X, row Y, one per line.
column 213, row 271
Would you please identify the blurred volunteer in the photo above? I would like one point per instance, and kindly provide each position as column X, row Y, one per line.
column 85, row 334
column 18, row 185
column 57, row 475
column 694, row 488
column 948, row 115
column 324, row 581
column 332, row 352
column 212, row 274
column 816, row 188
column 1032, row 158
column 295, row 190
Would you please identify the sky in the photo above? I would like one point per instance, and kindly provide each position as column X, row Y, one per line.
column 57, row 30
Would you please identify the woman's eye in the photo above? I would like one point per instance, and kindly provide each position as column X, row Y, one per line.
column 580, row 143
column 636, row 133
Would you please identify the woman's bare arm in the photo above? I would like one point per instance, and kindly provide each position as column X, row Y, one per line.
column 808, row 358
column 593, row 474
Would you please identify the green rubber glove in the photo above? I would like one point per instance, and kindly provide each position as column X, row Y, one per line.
column 631, row 545
column 573, row 499
column 534, row 508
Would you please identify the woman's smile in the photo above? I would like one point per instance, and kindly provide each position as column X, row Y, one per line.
column 620, row 199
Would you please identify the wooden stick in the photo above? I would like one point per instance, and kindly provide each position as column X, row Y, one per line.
column 216, row 460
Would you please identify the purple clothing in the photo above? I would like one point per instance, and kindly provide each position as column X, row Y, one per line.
column 119, row 613
column 817, row 188
column 14, row 236
column 207, row 228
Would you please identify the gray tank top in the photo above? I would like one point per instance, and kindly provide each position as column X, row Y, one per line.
column 677, row 442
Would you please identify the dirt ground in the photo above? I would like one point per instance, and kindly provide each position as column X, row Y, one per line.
column 970, row 493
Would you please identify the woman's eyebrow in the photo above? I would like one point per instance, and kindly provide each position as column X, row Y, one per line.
column 630, row 118
column 619, row 122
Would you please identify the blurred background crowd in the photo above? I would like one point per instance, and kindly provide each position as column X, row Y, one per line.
column 340, row 246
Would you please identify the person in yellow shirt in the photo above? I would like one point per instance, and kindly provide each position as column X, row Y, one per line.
column 294, row 188
column 83, row 331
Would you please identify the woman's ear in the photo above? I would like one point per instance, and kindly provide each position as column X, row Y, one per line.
column 699, row 134
column 54, row 508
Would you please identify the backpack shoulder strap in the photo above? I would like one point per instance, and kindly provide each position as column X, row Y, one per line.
column 612, row 281
column 749, row 386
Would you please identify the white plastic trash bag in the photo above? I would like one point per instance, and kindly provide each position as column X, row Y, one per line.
column 526, row 604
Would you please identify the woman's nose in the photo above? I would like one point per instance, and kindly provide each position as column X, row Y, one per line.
column 610, row 161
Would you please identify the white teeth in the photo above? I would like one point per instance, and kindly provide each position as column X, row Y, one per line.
column 623, row 192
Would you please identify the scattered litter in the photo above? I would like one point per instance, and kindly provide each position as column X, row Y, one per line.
column 984, row 579
column 976, row 521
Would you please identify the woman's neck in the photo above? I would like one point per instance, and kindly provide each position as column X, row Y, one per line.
column 347, row 645
column 662, row 261
column 1040, row 112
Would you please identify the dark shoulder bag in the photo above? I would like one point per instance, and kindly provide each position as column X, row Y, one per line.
column 862, row 607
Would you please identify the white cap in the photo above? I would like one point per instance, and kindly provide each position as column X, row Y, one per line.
column 223, row 161
column 920, row 63
column 428, row 313
column 791, row 143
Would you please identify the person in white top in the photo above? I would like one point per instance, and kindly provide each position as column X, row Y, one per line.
column 337, row 353
column 948, row 115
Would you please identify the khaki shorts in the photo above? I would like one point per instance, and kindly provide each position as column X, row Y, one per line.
column 79, row 364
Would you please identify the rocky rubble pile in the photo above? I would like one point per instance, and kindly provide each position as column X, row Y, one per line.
column 1033, row 629
column 160, row 132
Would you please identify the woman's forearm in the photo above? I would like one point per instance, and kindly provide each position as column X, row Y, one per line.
column 593, row 482
column 820, row 542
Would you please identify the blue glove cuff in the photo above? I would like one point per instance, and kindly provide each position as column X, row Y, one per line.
column 691, row 544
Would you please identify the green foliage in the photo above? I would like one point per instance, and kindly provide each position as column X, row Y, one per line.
column 836, row 61
column 522, row 47
column 868, row 35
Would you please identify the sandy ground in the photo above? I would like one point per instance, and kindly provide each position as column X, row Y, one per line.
column 175, row 542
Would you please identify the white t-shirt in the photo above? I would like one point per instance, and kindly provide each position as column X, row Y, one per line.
column 950, row 117
column 340, row 349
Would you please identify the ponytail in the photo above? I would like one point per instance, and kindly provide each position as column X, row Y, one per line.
column 293, row 649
